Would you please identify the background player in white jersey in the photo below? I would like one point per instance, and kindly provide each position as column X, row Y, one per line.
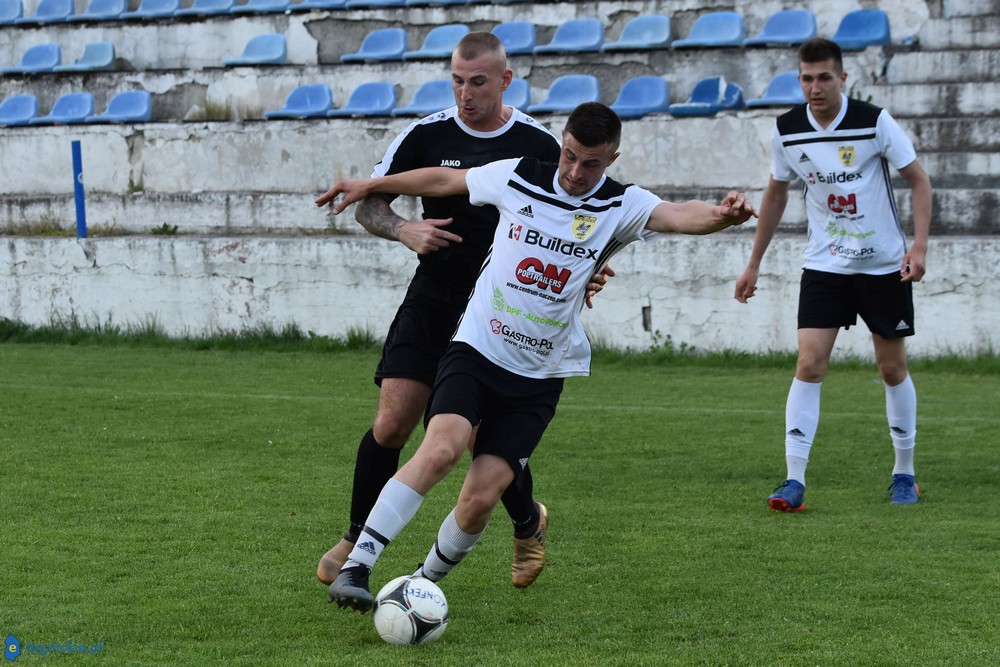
column 451, row 241
column 856, row 260
column 520, row 335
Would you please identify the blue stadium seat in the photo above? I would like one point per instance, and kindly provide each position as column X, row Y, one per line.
column 705, row 99
column 18, row 110
column 646, row 31
column 418, row 3
column 710, row 96
column 567, row 92
column 439, row 43
column 518, row 37
column 712, row 30
column 311, row 100
column 783, row 90
column 38, row 58
column 351, row 4
column 69, row 109
column 10, row 11
column 153, row 9
column 381, row 44
column 97, row 56
column 306, row 5
column 518, row 94
column 268, row 49
column 575, row 36
column 132, row 106
column 785, row 28
column 372, row 98
column 207, row 8
column 50, row 11
column 263, row 7
column 430, row 97
column 642, row 95
column 101, row 10
column 862, row 28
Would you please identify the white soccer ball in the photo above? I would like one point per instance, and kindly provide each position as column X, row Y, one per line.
column 410, row 610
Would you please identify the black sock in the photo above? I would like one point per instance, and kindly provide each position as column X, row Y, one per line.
column 520, row 504
column 374, row 467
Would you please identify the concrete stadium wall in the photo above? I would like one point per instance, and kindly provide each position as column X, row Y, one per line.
column 676, row 286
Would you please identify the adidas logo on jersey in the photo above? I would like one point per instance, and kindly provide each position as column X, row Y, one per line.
column 902, row 325
column 367, row 546
column 526, row 212
column 804, row 158
column 523, row 462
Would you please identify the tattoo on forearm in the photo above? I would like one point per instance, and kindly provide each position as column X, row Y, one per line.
column 378, row 218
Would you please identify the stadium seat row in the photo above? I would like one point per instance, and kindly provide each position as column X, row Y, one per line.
column 857, row 30
column 133, row 106
column 638, row 96
column 47, row 57
column 63, row 11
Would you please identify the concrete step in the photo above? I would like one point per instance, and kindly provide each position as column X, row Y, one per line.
column 966, row 65
column 955, row 8
column 967, row 32
column 936, row 99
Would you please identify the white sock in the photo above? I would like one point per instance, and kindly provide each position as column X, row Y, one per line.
column 796, row 466
column 452, row 545
column 901, row 411
column 801, row 422
column 396, row 506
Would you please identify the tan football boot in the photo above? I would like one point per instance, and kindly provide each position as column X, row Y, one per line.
column 529, row 553
column 331, row 562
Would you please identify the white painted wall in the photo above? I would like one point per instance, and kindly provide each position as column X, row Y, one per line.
column 329, row 285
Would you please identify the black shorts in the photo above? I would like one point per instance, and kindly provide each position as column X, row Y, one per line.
column 832, row 300
column 512, row 411
column 418, row 337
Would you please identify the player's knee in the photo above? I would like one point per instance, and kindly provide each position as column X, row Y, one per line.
column 440, row 458
column 391, row 432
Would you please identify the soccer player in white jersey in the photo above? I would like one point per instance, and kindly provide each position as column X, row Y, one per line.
column 451, row 240
column 856, row 259
column 520, row 335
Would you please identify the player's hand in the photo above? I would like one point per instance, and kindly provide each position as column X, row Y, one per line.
column 913, row 267
column 597, row 283
column 353, row 191
column 425, row 236
column 746, row 285
column 737, row 209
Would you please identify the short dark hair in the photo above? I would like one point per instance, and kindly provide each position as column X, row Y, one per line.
column 818, row 49
column 475, row 44
column 594, row 124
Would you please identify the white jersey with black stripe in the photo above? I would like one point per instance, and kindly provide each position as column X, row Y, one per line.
column 524, row 313
column 850, row 206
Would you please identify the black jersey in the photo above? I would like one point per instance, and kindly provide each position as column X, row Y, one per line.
column 442, row 140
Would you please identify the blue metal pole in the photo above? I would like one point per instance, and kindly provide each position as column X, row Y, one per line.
column 81, row 212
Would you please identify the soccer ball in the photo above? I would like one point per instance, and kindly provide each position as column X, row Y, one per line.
column 410, row 610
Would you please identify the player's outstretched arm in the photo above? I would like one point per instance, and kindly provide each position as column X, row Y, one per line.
column 698, row 217
column 427, row 182
column 424, row 236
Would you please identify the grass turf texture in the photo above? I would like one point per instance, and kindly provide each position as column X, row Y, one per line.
column 172, row 503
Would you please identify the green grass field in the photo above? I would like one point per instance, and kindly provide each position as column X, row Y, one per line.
column 170, row 505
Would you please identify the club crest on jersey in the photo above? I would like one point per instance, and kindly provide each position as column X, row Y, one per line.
column 846, row 154
column 583, row 225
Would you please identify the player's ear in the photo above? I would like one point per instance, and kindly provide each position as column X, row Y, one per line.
column 508, row 76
